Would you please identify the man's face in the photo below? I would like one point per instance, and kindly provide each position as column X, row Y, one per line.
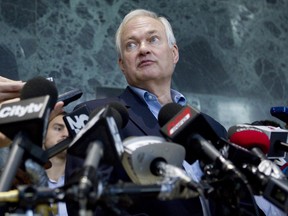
column 146, row 54
column 56, row 132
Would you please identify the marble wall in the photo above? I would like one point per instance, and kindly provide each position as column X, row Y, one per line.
column 233, row 53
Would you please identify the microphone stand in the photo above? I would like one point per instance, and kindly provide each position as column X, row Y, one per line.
column 95, row 153
column 108, row 196
column 21, row 146
column 231, row 191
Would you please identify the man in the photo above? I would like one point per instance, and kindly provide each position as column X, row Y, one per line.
column 148, row 55
column 56, row 132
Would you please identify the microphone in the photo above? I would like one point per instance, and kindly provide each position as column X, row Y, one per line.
column 277, row 138
column 280, row 112
column 70, row 96
column 76, row 120
column 191, row 129
column 258, row 142
column 38, row 97
column 73, row 127
column 174, row 120
column 88, row 180
column 103, row 127
column 141, row 155
column 267, row 179
column 100, row 140
column 150, row 160
column 59, row 147
column 180, row 124
column 252, row 139
column 26, row 121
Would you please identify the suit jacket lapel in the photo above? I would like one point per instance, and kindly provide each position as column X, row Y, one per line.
column 139, row 113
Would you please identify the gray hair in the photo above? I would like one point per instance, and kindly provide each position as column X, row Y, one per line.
column 142, row 12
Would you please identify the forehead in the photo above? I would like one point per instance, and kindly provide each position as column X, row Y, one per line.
column 58, row 119
column 141, row 24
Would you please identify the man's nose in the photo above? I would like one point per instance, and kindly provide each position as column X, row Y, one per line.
column 144, row 47
column 65, row 133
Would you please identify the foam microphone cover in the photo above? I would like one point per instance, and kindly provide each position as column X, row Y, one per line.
column 117, row 111
column 167, row 112
column 251, row 138
column 39, row 86
column 121, row 109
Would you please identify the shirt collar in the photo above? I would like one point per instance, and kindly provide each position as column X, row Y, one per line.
column 146, row 96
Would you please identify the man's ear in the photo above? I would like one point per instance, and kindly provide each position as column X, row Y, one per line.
column 121, row 65
column 175, row 53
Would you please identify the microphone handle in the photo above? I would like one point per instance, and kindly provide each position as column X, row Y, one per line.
column 94, row 155
column 59, row 147
column 95, row 152
column 134, row 189
column 259, row 153
column 281, row 146
column 13, row 163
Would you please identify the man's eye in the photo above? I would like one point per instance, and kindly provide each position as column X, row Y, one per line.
column 154, row 39
column 131, row 46
column 57, row 128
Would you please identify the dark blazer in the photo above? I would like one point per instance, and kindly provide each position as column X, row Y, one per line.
column 142, row 122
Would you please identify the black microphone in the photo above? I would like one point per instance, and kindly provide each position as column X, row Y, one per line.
column 76, row 120
column 29, row 115
column 103, row 127
column 191, row 129
column 98, row 140
column 59, row 147
column 70, row 96
column 26, row 121
column 178, row 123
column 184, row 124
column 280, row 112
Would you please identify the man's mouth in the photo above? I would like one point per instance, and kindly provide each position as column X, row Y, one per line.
column 145, row 63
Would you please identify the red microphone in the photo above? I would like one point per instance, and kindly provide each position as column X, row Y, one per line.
column 252, row 139
column 257, row 142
